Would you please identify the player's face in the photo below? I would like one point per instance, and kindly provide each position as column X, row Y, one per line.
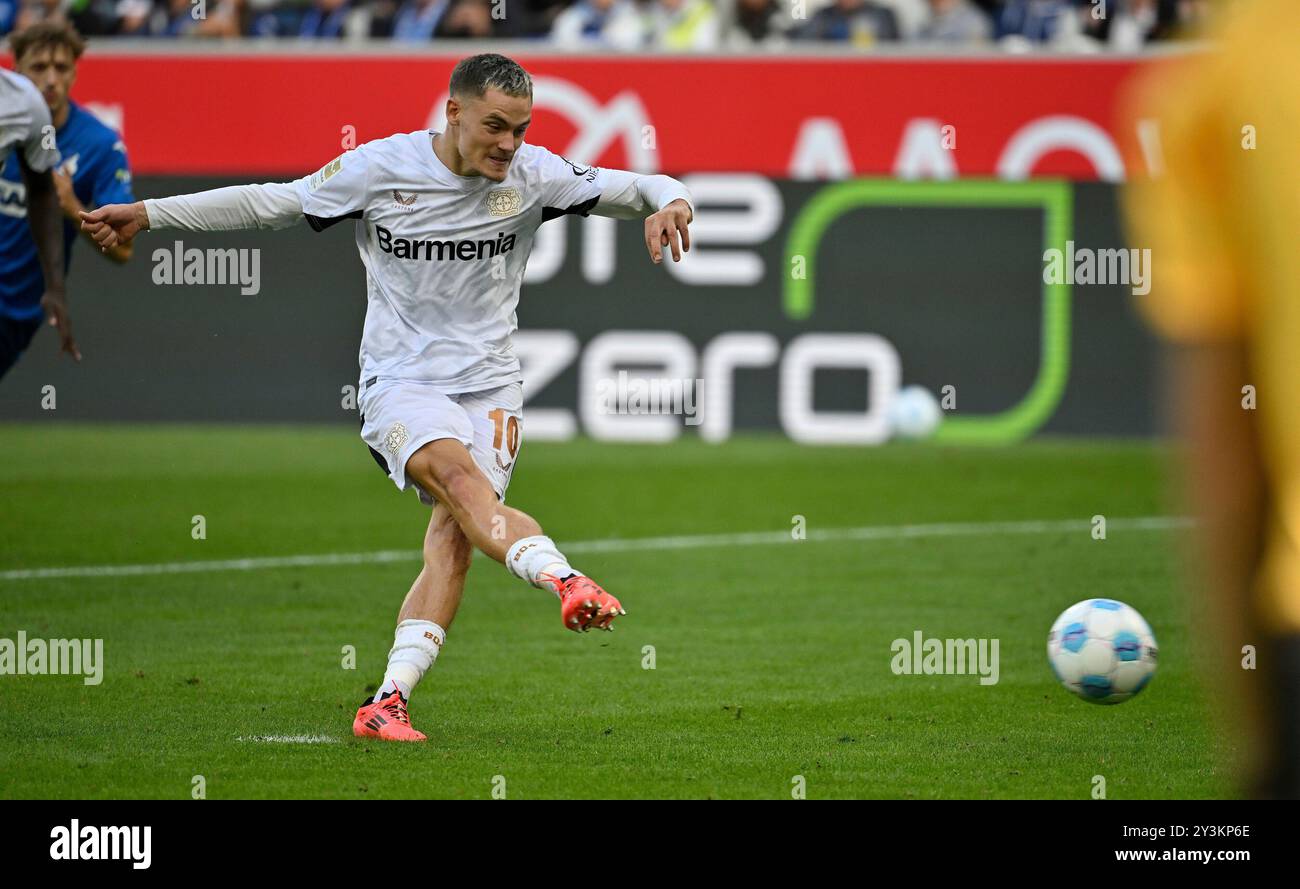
column 53, row 70
column 491, row 131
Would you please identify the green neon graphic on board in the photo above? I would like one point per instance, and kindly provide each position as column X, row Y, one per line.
column 1056, row 198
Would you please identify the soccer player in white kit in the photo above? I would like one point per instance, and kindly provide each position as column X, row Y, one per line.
column 444, row 224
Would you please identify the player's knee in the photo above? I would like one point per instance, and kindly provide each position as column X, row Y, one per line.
column 460, row 486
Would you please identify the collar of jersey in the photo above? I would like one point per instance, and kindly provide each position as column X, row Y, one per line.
column 468, row 183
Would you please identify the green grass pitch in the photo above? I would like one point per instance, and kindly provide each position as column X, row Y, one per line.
column 771, row 660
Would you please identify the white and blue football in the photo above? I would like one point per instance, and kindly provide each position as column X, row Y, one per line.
column 1102, row 650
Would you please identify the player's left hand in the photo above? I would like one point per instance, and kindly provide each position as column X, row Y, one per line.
column 662, row 228
column 67, row 197
column 55, row 305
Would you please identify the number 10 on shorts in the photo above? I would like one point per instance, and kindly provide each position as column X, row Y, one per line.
column 507, row 427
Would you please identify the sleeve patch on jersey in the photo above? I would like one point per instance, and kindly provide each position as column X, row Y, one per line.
column 583, row 209
column 320, row 223
column 322, row 175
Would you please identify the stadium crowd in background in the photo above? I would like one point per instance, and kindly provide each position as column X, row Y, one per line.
column 671, row 25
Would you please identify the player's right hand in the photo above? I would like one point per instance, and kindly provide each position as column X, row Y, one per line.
column 114, row 224
column 662, row 230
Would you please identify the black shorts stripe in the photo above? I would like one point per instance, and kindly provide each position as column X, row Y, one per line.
column 379, row 458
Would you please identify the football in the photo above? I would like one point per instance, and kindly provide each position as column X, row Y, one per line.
column 914, row 413
column 1102, row 650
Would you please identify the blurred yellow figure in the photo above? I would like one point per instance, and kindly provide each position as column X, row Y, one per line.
column 1222, row 220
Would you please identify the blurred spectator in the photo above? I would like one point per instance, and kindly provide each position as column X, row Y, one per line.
column 32, row 11
column 417, row 19
column 956, row 21
column 468, row 18
column 169, row 19
column 614, row 24
column 173, row 18
column 326, row 18
column 860, row 22
column 1036, row 21
column 756, row 23
column 132, row 17
column 668, row 25
column 534, row 18
column 1130, row 24
column 91, row 18
column 382, row 15
column 679, row 25
column 910, row 14
column 1193, row 17
column 526, row 18
column 225, row 18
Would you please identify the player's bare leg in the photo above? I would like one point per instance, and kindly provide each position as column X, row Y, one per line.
column 426, row 613
column 435, row 594
column 445, row 469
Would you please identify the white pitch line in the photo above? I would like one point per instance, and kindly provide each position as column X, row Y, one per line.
column 305, row 561
column 290, row 739
column 635, row 544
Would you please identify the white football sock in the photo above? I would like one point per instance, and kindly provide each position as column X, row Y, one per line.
column 529, row 558
column 415, row 647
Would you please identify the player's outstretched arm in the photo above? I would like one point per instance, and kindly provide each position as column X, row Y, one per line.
column 273, row 205
column 663, row 202
column 47, row 230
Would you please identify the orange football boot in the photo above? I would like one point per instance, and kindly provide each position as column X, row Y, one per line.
column 583, row 604
column 385, row 719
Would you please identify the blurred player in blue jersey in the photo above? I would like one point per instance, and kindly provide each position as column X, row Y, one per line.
column 92, row 171
column 25, row 126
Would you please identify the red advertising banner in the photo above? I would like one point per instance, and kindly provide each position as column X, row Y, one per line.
column 275, row 115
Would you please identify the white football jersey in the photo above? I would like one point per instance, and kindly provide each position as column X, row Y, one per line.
column 23, row 117
column 444, row 254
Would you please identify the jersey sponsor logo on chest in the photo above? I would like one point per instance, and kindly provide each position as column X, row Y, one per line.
column 451, row 249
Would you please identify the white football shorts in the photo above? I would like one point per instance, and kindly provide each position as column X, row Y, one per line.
column 399, row 417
